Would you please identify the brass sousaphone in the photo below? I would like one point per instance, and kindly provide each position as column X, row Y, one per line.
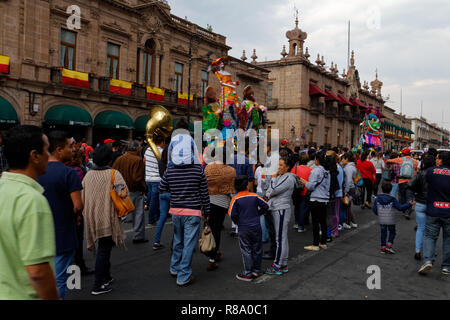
column 161, row 124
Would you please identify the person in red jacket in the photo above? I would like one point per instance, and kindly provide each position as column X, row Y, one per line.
column 368, row 173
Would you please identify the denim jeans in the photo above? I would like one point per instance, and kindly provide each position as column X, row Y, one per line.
column 404, row 196
column 342, row 213
column 265, row 233
column 335, row 217
column 102, row 262
column 432, row 230
column 62, row 262
column 251, row 249
column 300, row 212
column 185, row 238
column 138, row 215
column 421, row 217
column 164, row 204
column 394, row 190
column 153, row 199
column 384, row 234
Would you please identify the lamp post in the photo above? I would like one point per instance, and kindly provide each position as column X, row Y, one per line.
column 194, row 37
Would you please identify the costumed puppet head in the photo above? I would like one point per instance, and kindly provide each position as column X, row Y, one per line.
column 219, row 64
column 249, row 94
column 211, row 95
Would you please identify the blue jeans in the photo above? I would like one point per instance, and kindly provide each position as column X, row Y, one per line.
column 185, row 238
column 342, row 213
column 153, row 199
column 103, row 261
column 394, row 190
column 432, row 230
column 251, row 250
column 164, row 203
column 421, row 217
column 62, row 262
column 300, row 212
column 384, row 234
column 138, row 215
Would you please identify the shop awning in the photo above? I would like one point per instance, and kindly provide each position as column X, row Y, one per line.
column 315, row 90
column 343, row 100
column 358, row 103
column 113, row 120
column 330, row 96
column 7, row 112
column 68, row 115
column 141, row 123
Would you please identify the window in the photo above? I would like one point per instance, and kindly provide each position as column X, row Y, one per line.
column 269, row 92
column 178, row 80
column 148, row 63
column 112, row 68
column 204, row 82
column 68, row 49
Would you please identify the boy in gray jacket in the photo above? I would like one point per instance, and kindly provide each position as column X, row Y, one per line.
column 385, row 207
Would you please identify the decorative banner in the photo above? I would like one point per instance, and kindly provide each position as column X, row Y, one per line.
column 120, row 87
column 4, row 64
column 75, row 78
column 183, row 98
column 155, row 93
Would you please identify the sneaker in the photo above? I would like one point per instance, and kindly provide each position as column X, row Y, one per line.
column 353, row 225
column 273, row 270
column 301, row 230
column 242, row 277
column 312, row 248
column 212, row 266
column 284, row 269
column 446, row 270
column 346, row 226
column 323, row 246
column 425, row 268
column 418, row 256
column 295, row 226
column 157, row 246
column 190, row 281
column 173, row 274
column 390, row 249
column 340, row 227
column 109, row 282
column 330, row 239
column 256, row 275
column 383, row 251
column 103, row 289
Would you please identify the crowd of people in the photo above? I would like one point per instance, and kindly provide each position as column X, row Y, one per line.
column 55, row 201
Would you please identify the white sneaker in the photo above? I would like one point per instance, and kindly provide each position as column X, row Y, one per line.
column 340, row 227
column 295, row 226
column 301, row 230
column 354, row 225
column 346, row 226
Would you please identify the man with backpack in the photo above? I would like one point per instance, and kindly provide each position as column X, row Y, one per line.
column 408, row 168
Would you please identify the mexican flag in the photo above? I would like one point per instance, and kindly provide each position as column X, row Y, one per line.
column 183, row 99
column 4, row 64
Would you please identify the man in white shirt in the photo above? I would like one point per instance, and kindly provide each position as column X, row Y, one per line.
column 152, row 179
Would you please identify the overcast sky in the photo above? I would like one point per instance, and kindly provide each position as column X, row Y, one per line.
column 407, row 41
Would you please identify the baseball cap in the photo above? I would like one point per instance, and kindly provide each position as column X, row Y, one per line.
column 406, row 151
column 108, row 141
column 284, row 142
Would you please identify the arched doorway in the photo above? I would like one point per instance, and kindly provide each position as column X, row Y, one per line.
column 112, row 125
column 72, row 119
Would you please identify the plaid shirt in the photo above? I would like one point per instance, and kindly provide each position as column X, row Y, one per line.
column 395, row 172
column 396, row 168
column 3, row 163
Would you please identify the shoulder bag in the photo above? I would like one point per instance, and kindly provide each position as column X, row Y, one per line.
column 123, row 206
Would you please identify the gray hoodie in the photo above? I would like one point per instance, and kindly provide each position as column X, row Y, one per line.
column 319, row 184
column 349, row 174
column 281, row 189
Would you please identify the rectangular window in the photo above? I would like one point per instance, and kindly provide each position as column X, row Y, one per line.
column 68, row 49
column 269, row 92
column 204, row 82
column 178, row 80
column 113, row 61
column 148, row 74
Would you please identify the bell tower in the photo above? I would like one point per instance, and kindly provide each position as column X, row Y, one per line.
column 296, row 40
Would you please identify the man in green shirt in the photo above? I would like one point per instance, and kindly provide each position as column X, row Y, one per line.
column 27, row 236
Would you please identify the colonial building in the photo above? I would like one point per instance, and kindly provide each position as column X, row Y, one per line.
column 429, row 135
column 313, row 103
column 100, row 80
column 397, row 131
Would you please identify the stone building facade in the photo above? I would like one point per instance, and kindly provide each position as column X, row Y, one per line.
column 137, row 41
column 429, row 135
column 304, row 115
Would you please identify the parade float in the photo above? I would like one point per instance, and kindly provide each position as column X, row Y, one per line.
column 371, row 137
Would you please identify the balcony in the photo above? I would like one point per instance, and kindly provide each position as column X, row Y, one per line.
column 330, row 111
column 317, row 108
column 272, row 104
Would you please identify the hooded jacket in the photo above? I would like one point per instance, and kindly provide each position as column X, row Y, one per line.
column 419, row 186
column 280, row 191
column 349, row 174
column 319, row 184
column 438, row 199
column 385, row 207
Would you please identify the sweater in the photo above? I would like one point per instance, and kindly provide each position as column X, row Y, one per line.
column 245, row 210
column 280, row 191
column 349, row 174
column 438, row 200
column 188, row 190
column 131, row 167
column 367, row 170
column 319, row 184
column 385, row 207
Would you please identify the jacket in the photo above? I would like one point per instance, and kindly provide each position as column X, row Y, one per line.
column 280, row 191
column 245, row 210
column 385, row 207
column 419, row 186
column 349, row 174
column 340, row 177
column 319, row 184
column 367, row 170
column 438, row 200
column 133, row 171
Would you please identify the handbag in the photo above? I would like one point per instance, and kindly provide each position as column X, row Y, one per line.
column 357, row 178
column 346, row 201
column 123, row 206
column 207, row 243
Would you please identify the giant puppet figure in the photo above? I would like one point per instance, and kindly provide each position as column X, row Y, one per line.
column 229, row 100
column 371, row 137
column 251, row 115
column 211, row 110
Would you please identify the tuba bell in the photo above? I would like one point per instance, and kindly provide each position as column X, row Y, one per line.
column 161, row 124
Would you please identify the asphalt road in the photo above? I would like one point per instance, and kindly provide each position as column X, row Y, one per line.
column 339, row 272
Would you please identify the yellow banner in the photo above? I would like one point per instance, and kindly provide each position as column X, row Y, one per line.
column 184, row 96
column 121, row 84
column 4, row 60
column 75, row 75
column 155, row 90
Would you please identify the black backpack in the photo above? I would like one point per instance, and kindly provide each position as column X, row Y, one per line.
column 297, row 193
column 334, row 184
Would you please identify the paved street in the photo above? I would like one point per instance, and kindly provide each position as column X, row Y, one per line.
column 340, row 272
